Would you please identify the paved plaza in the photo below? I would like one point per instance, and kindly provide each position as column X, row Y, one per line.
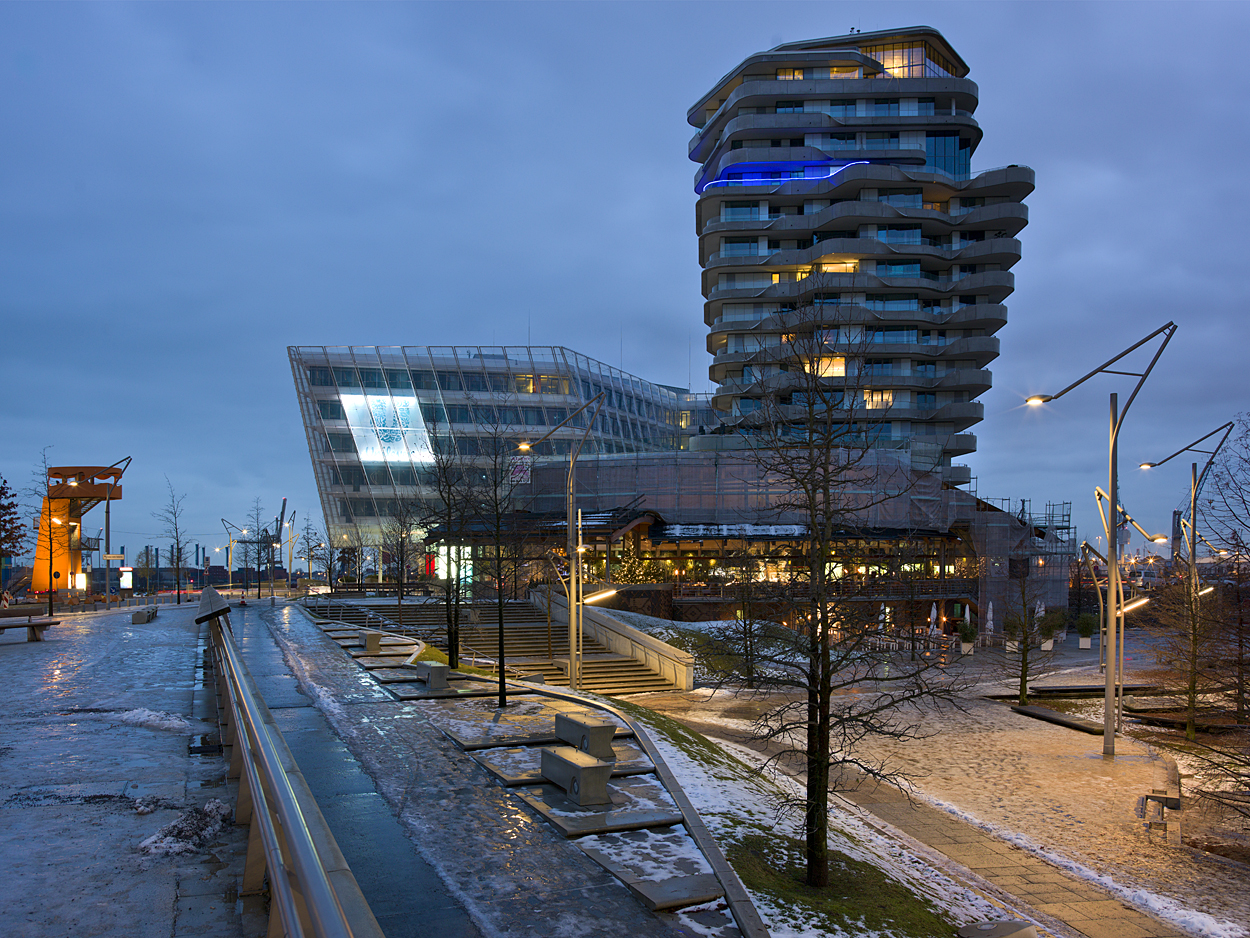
column 103, row 746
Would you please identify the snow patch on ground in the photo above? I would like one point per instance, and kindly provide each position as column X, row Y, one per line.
column 1197, row 922
column 187, row 833
column 734, row 797
column 153, row 719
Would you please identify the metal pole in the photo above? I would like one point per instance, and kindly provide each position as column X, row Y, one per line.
column 108, row 547
column 1114, row 602
column 581, row 592
column 572, row 555
column 51, row 542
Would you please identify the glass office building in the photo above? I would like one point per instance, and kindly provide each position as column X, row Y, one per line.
column 376, row 415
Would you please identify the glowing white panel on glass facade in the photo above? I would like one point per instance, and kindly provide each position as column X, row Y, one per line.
column 386, row 428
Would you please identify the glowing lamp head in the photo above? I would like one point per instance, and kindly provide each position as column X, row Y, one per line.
column 1148, row 465
column 524, row 447
column 1159, row 539
column 1038, row 399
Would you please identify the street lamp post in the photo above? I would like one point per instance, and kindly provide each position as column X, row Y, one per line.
column 1195, row 485
column 230, row 552
column 574, row 555
column 1196, row 481
column 1111, row 522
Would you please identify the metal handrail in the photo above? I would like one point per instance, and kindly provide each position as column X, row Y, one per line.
column 743, row 910
column 272, row 795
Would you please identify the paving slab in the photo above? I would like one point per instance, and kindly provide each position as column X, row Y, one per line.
column 467, row 689
column 637, row 802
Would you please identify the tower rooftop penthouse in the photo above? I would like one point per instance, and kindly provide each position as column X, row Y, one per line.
column 836, row 197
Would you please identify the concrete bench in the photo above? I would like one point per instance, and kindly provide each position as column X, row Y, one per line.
column 34, row 630
column 372, row 641
column 1161, row 809
column 140, row 616
column 583, row 777
column 590, row 734
column 433, row 673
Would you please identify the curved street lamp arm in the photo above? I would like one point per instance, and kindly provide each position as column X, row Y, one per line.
column 597, row 399
column 1227, row 428
column 590, row 425
column 1089, row 549
column 1170, row 329
column 1100, row 496
column 1214, row 549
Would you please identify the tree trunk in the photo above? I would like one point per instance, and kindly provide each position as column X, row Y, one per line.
column 816, row 815
column 503, row 685
column 1024, row 668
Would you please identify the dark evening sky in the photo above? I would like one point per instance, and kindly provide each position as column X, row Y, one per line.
column 187, row 189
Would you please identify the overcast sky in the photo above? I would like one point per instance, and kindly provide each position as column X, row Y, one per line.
column 187, row 189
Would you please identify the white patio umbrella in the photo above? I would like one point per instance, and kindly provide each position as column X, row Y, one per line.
column 933, row 619
column 989, row 619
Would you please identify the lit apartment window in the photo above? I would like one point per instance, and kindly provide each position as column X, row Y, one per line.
column 831, row 367
column 789, row 74
column 878, row 400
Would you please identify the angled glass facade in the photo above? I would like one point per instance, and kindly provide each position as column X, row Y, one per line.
column 376, row 415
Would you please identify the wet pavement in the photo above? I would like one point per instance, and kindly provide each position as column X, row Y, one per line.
column 513, row 872
column 95, row 734
column 100, row 741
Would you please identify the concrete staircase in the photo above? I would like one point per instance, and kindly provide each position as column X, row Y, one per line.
column 529, row 646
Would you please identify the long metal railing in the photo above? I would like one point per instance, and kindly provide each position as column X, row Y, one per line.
column 311, row 889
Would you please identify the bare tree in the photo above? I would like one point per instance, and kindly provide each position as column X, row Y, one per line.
column 499, row 473
column 401, row 542
column 814, row 437
column 39, row 493
column 313, row 542
column 1029, row 627
column 1225, row 511
column 171, row 517
column 1188, row 628
column 255, row 544
column 356, row 546
column 449, row 511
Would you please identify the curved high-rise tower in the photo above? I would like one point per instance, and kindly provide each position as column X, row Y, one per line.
column 836, row 182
